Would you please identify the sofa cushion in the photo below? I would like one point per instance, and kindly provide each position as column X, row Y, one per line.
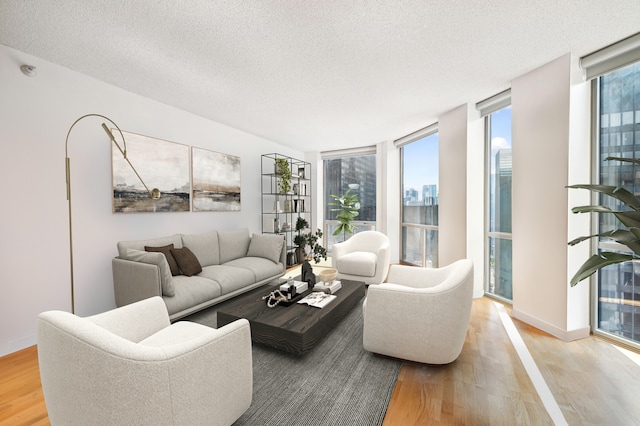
column 166, row 250
column 205, row 246
column 361, row 263
column 187, row 261
column 233, row 244
column 230, row 278
column 190, row 292
column 123, row 246
column 159, row 259
column 268, row 246
column 261, row 268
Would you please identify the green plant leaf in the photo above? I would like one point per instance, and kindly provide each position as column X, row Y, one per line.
column 630, row 219
column 613, row 191
column 598, row 261
column 629, row 238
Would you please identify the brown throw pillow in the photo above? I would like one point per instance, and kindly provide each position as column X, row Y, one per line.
column 187, row 261
column 166, row 250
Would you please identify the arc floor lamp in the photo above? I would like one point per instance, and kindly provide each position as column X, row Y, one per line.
column 154, row 193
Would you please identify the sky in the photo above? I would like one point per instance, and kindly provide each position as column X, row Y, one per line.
column 420, row 158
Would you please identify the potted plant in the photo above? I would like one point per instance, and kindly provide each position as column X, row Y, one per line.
column 307, row 245
column 628, row 234
column 347, row 207
column 283, row 169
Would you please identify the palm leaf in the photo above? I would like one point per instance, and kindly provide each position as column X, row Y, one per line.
column 618, row 193
column 598, row 261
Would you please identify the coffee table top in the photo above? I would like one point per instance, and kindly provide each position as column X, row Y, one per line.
column 295, row 328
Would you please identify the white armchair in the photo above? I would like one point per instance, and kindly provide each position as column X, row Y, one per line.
column 423, row 316
column 131, row 366
column 363, row 257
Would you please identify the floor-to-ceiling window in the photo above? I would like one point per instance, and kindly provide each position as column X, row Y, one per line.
column 355, row 174
column 617, row 115
column 499, row 172
column 420, row 200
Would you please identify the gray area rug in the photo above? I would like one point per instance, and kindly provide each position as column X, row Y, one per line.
column 336, row 383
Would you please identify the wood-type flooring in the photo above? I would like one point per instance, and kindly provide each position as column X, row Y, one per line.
column 593, row 382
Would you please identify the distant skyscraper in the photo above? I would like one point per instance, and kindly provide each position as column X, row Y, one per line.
column 430, row 195
column 410, row 196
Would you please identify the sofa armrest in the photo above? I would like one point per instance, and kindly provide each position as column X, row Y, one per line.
column 134, row 281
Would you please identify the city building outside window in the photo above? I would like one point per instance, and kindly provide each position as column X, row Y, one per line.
column 420, row 178
column 499, row 279
column 618, row 122
column 356, row 174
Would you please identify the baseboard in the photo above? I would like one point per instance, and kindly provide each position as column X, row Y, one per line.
column 564, row 335
column 18, row 345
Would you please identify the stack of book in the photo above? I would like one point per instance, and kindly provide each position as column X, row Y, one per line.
column 330, row 288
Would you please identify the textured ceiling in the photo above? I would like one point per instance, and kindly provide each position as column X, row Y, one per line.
column 314, row 75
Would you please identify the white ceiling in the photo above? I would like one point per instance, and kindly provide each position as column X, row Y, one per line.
column 314, row 75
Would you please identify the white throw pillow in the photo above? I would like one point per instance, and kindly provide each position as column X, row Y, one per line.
column 267, row 246
column 155, row 258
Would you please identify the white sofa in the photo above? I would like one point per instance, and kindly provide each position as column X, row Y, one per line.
column 420, row 314
column 363, row 257
column 129, row 366
column 227, row 263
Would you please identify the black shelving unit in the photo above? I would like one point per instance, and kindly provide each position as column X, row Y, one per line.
column 280, row 211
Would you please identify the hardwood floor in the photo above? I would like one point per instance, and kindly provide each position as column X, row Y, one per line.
column 21, row 400
column 593, row 382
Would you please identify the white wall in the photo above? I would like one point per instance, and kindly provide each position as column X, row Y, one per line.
column 476, row 210
column 390, row 195
column 542, row 113
column 452, row 194
column 36, row 115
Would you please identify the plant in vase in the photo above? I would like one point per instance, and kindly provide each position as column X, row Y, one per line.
column 283, row 169
column 628, row 234
column 307, row 243
column 348, row 207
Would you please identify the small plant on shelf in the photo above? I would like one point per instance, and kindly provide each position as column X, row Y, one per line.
column 283, row 169
column 307, row 245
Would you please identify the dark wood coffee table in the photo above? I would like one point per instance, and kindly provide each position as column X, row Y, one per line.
column 295, row 328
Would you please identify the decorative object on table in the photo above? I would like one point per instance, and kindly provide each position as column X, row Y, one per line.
column 292, row 288
column 328, row 275
column 306, row 243
column 287, row 294
column 331, row 288
column 283, row 169
column 317, row 299
column 348, row 208
column 154, row 194
column 154, row 157
column 628, row 234
column 307, row 273
column 216, row 181
column 274, row 298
